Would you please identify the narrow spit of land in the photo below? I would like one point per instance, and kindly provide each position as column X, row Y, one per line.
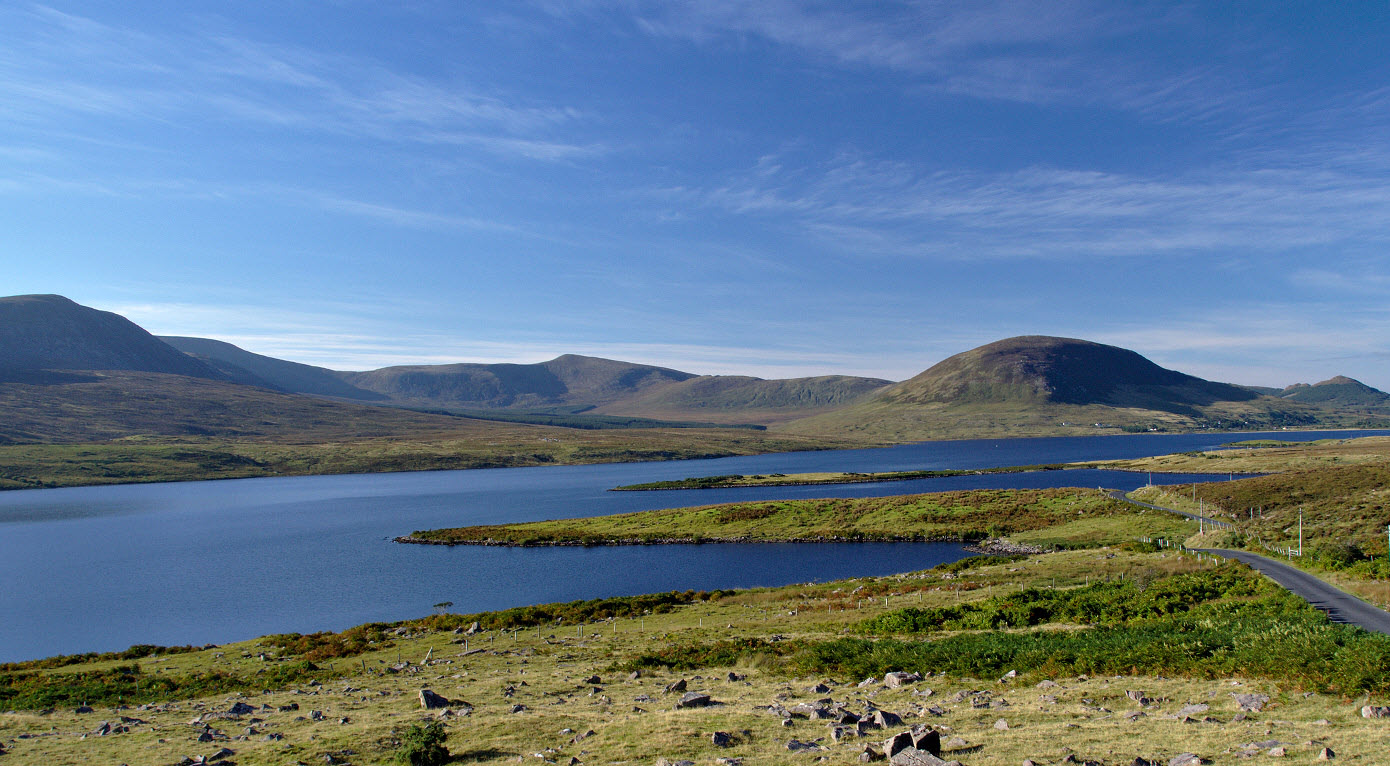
column 832, row 477
column 1035, row 517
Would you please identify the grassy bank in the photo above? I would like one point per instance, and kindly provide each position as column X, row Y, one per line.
column 1044, row 516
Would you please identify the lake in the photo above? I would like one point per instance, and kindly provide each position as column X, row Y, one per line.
column 102, row 568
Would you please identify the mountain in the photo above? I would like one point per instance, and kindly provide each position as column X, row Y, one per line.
column 737, row 398
column 1040, row 385
column 1340, row 391
column 1041, row 369
column 569, row 380
column 255, row 369
column 44, row 333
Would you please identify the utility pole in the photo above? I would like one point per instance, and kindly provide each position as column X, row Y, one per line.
column 1300, row 532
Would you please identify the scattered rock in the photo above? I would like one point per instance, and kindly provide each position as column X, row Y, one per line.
column 722, row 739
column 593, row 680
column 84, row 709
column 870, row 755
column 885, row 720
column 1373, row 711
column 1278, row 752
column 870, row 681
column 1190, row 710
column 897, row 678
column 796, row 746
column 1048, row 684
column 1001, row 725
column 676, row 686
column 241, row 708
column 694, row 699
column 1250, row 703
column 1326, row 754
column 429, row 700
column 819, row 689
column 518, row 708
column 1186, row 759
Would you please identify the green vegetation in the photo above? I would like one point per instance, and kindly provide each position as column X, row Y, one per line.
column 423, row 745
column 847, row 477
column 1085, row 514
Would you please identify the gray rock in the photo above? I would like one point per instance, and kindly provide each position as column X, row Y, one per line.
column 593, row 680
column 820, row 689
column 797, row 746
column 870, row 755
column 428, row 700
column 1252, row 703
column 1193, row 710
column 1186, row 759
column 1373, row 711
column 895, row 679
column 694, row 699
column 885, row 720
column 1001, row 725
column 84, row 709
column 1326, row 754
column 676, row 686
column 241, row 708
column 722, row 739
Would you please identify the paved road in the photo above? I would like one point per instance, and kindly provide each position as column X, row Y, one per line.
column 1339, row 605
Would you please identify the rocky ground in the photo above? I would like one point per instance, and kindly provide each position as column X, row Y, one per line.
column 569, row 695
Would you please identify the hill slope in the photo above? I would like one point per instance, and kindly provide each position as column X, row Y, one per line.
column 736, row 398
column 291, row 377
column 1340, row 391
column 1037, row 385
column 566, row 380
column 50, row 332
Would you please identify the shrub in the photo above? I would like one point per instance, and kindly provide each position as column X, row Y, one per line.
column 423, row 745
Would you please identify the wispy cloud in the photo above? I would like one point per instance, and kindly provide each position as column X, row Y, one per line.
column 895, row 208
column 57, row 64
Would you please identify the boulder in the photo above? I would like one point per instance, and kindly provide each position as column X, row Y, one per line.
column 1251, row 703
column 241, row 708
column 429, row 700
column 1374, row 711
column 676, row 686
column 722, row 739
column 694, row 699
column 895, row 679
column 1186, row 759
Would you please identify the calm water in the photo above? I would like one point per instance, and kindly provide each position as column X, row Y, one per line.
column 101, row 568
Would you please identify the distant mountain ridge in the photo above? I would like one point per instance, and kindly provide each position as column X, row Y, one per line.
column 1028, row 385
column 50, row 332
column 566, row 380
column 1339, row 391
column 255, row 369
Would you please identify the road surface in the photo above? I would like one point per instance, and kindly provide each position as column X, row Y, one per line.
column 1339, row 605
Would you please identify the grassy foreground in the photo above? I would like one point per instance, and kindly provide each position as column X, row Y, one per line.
column 1120, row 653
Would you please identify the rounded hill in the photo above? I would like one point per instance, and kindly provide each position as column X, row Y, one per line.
column 1044, row 369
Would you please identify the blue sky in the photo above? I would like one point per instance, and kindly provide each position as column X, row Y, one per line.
column 774, row 188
